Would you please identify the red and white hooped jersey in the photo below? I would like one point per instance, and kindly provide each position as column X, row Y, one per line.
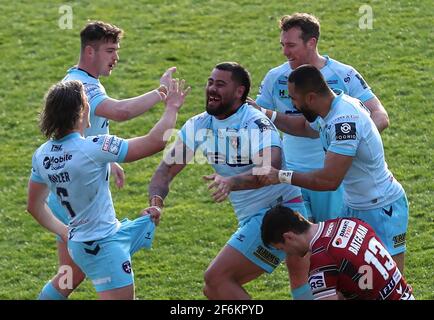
column 349, row 258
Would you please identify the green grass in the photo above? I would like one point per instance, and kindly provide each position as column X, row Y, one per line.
column 395, row 57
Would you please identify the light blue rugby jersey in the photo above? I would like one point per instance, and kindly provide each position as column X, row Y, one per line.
column 95, row 93
column 348, row 130
column 229, row 145
column 306, row 154
column 77, row 169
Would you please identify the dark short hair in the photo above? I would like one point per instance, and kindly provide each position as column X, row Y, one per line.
column 307, row 78
column 63, row 105
column 239, row 74
column 309, row 25
column 279, row 220
column 96, row 31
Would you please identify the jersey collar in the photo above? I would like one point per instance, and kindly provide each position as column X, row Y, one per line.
column 316, row 235
column 72, row 135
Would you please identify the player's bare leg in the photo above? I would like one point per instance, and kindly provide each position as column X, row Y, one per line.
column 124, row 293
column 399, row 260
column 65, row 260
column 227, row 273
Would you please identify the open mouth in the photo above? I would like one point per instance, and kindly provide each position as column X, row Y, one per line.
column 213, row 99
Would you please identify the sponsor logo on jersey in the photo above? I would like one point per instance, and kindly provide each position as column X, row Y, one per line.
column 331, row 82
column 266, row 256
column 357, row 241
column 345, row 131
column 111, row 144
column 56, row 163
column 92, row 90
column 317, row 282
column 399, row 240
column 362, row 81
column 56, row 148
column 345, row 231
column 329, row 230
column 264, row 124
column 387, row 290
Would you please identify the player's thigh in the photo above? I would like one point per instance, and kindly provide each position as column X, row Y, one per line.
column 66, row 260
column 232, row 265
column 124, row 293
column 248, row 243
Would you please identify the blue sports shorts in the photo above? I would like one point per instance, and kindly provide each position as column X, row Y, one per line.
column 247, row 239
column 107, row 262
column 389, row 223
column 323, row 205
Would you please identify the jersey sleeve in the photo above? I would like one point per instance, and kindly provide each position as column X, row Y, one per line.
column 344, row 136
column 265, row 95
column 188, row 134
column 108, row 148
column 95, row 95
column 263, row 134
column 323, row 282
column 358, row 87
column 35, row 175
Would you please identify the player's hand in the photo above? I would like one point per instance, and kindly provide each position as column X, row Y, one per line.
column 176, row 94
column 222, row 186
column 253, row 103
column 118, row 173
column 267, row 175
column 166, row 78
column 154, row 212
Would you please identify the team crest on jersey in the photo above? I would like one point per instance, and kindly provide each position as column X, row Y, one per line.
column 345, row 131
column 345, row 231
column 127, row 266
column 111, row 144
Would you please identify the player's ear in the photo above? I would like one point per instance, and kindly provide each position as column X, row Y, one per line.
column 240, row 91
column 312, row 43
column 311, row 97
column 288, row 236
column 89, row 50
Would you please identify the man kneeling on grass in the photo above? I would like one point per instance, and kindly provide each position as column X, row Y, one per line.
column 347, row 259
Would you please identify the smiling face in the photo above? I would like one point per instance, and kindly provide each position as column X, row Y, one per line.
column 295, row 49
column 105, row 57
column 222, row 93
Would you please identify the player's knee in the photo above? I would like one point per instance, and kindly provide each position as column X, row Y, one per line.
column 213, row 277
